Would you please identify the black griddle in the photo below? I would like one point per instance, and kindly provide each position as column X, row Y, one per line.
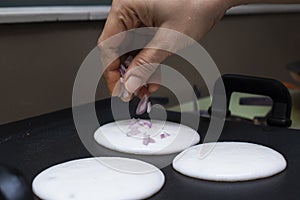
column 35, row 144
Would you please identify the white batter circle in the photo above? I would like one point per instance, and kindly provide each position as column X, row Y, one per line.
column 98, row 178
column 162, row 138
column 229, row 161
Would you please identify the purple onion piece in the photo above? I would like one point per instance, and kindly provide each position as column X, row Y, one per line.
column 149, row 107
column 124, row 67
column 147, row 140
column 142, row 106
column 164, row 135
column 122, row 70
column 123, row 92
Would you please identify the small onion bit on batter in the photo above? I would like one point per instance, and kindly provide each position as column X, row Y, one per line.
column 147, row 140
column 164, row 135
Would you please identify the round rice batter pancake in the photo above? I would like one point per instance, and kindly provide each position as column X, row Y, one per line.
column 145, row 138
column 229, row 161
column 99, row 178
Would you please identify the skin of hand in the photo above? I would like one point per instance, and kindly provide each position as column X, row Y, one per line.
column 194, row 18
column 181, row 16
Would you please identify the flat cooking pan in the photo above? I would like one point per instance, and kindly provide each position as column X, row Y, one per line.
column 35, row 144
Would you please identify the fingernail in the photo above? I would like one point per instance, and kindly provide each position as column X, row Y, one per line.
column 133, row 83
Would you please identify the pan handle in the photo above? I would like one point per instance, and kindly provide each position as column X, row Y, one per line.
column 282, row 103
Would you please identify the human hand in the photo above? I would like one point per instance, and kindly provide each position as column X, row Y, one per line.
column 191, row 17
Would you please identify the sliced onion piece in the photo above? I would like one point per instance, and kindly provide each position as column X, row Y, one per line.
column 164, row 135
column 149, row 107
column 122, row 70
column 142, row 106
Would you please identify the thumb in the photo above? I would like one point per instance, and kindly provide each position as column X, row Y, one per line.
column 142, row 68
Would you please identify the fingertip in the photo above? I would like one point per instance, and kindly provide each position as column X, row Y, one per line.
column 127, row 98
column 118, row 90
column 133, row 83
column 153, row 87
